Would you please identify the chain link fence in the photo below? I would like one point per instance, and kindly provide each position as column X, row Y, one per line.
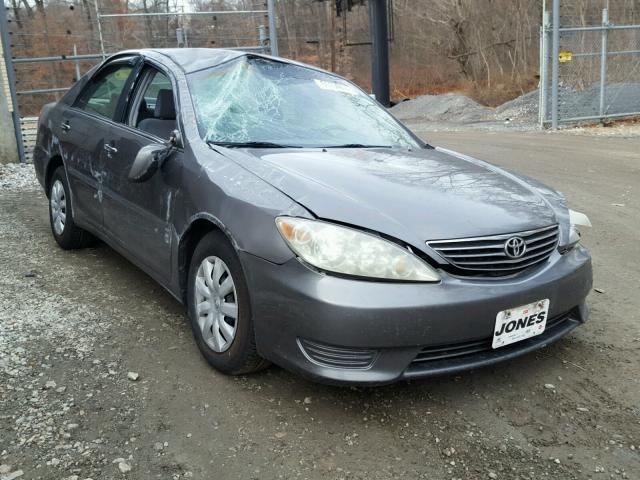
column 49, row 45
column 53, row 46
column 597, row 65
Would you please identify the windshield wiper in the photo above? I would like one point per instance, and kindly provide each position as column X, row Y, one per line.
column 358, row 145
column 250, row 144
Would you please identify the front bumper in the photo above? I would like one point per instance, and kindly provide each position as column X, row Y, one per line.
column 403, row 324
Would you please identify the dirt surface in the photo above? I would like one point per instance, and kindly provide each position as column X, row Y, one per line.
column 76, row 328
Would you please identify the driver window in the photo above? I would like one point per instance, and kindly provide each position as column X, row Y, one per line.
column 156, row 111
column 103, row 93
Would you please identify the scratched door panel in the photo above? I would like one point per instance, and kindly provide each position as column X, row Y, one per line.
column 138, row 215
column 82, row 148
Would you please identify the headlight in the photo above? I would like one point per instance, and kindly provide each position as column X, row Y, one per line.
column 348, row 251
column 576, row 220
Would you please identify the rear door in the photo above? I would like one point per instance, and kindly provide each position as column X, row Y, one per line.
column 138, row 216
column 83, row 132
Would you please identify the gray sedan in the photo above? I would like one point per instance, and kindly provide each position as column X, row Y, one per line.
column 301, row 224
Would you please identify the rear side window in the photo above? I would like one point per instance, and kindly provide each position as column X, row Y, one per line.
column 153, row 109
column 159, row 82
column 102, row 94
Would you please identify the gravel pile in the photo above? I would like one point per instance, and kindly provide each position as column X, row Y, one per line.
column 523, row 109
column 450, row 107
column 521, row 112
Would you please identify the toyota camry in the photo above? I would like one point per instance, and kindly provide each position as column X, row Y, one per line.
column 302, row 225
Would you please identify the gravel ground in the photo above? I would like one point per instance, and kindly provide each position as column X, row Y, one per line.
column 17, row 177
column 100, row 378
column 624, row 130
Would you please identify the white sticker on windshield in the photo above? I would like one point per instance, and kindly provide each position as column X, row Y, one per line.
column 336, row 86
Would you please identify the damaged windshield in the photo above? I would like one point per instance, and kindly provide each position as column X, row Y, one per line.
column 256, row 101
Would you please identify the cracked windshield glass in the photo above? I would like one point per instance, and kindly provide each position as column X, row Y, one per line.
column 256, row 100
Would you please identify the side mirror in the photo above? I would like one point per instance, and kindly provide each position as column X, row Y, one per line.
column 147, row 162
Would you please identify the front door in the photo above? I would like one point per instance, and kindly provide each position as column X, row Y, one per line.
column 83, row 132
column 138, row 216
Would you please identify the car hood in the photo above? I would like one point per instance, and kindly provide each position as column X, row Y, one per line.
column 415, row 196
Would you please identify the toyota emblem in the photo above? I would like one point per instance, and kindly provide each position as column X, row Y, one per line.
column 515, row 247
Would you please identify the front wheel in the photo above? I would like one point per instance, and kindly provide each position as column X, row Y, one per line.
column 219, row 308
column 64, row 230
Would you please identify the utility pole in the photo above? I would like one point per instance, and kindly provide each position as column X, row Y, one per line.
column 379, row 50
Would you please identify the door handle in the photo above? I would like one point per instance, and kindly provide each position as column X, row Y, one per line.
column 65, row 126
column 110, row 148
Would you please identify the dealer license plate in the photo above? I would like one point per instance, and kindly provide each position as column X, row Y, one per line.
column 518, row 323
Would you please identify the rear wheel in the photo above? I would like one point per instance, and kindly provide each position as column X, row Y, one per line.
column 64, row 230
column 219, row 308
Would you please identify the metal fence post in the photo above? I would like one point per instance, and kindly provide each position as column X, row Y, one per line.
column 75, row 54
column 262, row 37
column 273, row 29
column 180, row 37
column 544, row 69
column 100, row 30
column 13, row 101
column 541, row 78
column 555, row 65
column 603, row 60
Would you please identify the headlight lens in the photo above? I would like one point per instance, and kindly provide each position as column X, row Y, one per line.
column 348, row 251
column 576, row 220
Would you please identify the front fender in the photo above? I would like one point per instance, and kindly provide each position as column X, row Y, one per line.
column 47, row 145
column 238, row 202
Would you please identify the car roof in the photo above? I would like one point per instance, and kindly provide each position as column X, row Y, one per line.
column 194, row 59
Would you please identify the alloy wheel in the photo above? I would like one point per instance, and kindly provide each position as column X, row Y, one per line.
column 216, row 304
column 58, row 202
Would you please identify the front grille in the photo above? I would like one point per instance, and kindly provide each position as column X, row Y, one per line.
column 337, row 357
column 447, row 352
column 486, row 255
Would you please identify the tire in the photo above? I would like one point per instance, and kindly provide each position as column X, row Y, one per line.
column 230, row 353
column 66, row 233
